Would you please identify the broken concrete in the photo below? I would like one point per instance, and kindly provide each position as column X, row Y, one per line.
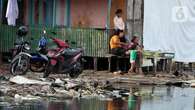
column 99, row 84
column 23, row 80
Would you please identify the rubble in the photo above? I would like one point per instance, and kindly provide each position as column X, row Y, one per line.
column 23, row 80
column 22, row 88
column 18, row 98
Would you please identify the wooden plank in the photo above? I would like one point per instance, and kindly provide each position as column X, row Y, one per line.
column 40, row 11
column 129, row 25
column 129, row 21
column 31, row 15
column 108, row 13
column 130, row 9
column 54, row 13
column 138, row 10
column 68, row 17
column 138, row 27
column 135, row 18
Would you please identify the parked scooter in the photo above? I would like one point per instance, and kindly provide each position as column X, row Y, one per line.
column 64, row 59
column 22, row 59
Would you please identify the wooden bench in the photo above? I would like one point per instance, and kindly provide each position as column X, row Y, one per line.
column 110, row 56
column 166, row 57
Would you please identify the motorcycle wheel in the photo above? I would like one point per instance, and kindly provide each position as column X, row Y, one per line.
column 37, row 66
column 76, row 71
column 19, row 69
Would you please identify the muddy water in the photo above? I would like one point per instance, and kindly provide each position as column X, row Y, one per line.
column 152, row 98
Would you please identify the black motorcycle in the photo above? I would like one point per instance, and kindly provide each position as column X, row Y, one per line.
column 23, row 59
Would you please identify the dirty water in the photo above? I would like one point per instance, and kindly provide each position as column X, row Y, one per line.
column 148, row 98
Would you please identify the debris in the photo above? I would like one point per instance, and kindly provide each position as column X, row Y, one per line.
column 58, row 81
column 20, row 88
column 4, row 78
column 23, row 80
column 18, row 98
column 72, row 84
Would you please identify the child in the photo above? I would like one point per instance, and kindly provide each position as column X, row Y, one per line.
column 118, row 20
column 135, row 55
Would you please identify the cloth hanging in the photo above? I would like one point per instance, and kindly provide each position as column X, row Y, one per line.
column 12, row 12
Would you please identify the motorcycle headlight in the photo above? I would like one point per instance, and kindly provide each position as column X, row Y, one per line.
column 27, row 47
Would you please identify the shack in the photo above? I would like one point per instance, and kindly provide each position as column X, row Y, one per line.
column 88, row 22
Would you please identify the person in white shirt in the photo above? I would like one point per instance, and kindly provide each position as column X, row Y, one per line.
column 119, row 24
column 118, row 20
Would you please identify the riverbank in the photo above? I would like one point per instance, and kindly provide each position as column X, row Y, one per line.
column 89, row 83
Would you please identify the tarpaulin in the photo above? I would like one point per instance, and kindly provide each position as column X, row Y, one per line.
column 169, row 26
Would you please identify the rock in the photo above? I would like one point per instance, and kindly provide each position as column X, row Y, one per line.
column 4, row 78
column 71, row 85
column 58, row 81
column 2, row 93
column 18, row 98
column 47, row 89
column 23, row 80
column 4, row 90
column 193, row 85
column 4, row 104
column 116, row 94
column 61, row 91
column 56, row 85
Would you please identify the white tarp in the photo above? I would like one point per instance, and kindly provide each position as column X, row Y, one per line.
column 12, row 12
column 169, row 25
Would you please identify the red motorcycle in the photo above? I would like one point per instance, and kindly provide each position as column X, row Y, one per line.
column 64, row 59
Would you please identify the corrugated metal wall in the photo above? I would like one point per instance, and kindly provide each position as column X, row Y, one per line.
column 95, row 42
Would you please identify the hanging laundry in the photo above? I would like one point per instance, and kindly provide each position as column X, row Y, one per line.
column 12, row 12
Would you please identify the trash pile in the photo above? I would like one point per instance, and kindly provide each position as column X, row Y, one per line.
column 32, row 87
column 21, row 88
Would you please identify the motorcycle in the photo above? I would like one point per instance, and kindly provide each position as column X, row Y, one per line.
column 22, row 59
column 64, row 59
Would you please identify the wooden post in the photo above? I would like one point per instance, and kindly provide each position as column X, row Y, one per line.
column 129, row 21
column 109, row 64
column 108, row 13
column 68, row 17
column 135, row 17
column 164, row 64
column 170, row 62
column 54, row 13
column 95, row 63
